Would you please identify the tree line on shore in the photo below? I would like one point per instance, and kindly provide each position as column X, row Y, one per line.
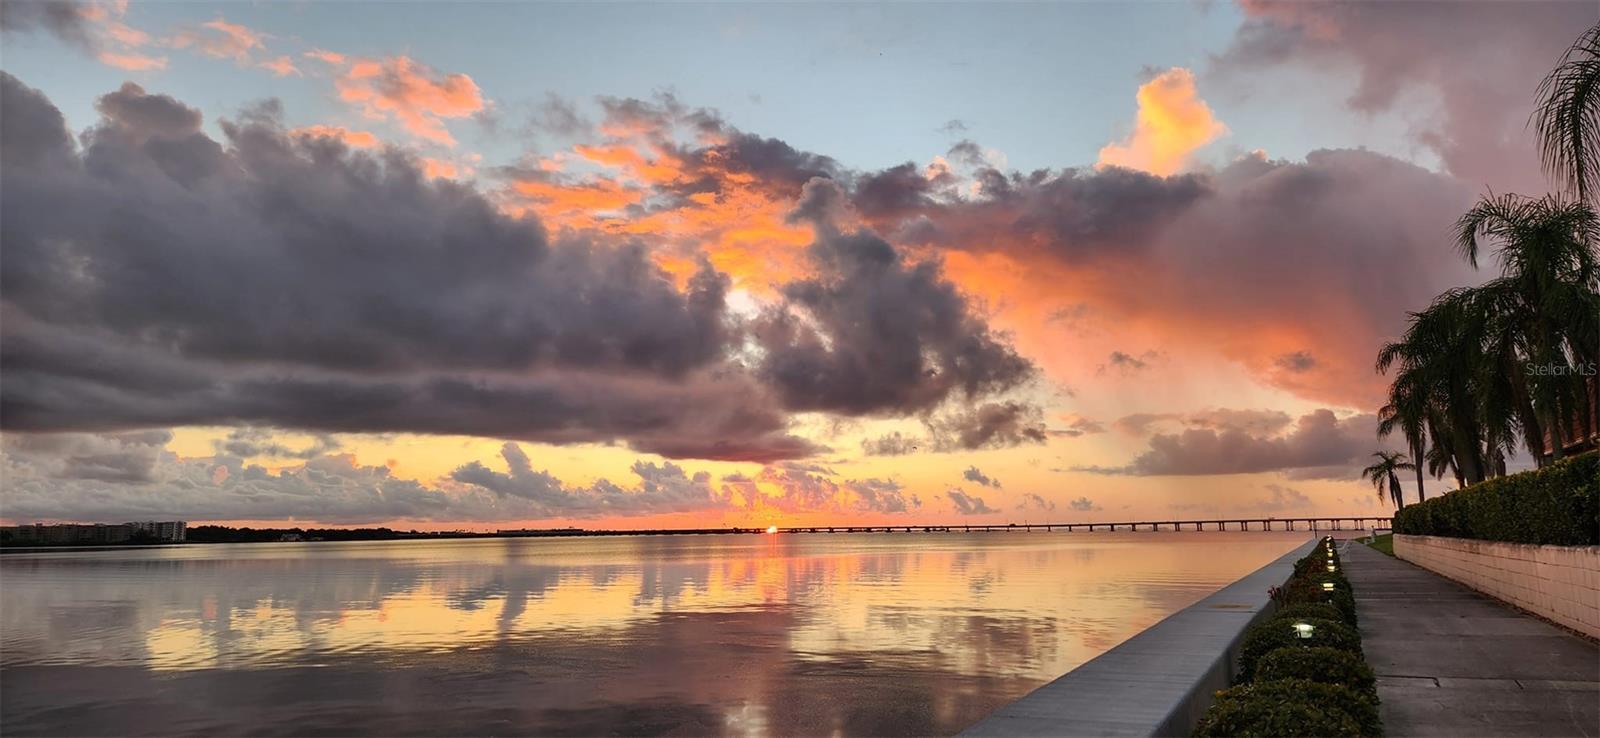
column 1512, row 362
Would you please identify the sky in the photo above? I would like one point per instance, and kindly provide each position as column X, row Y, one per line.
column 495, row 265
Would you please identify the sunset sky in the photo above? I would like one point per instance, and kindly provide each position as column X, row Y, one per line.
column 493, row 265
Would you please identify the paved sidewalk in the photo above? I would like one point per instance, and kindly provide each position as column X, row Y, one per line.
column 1452, row 662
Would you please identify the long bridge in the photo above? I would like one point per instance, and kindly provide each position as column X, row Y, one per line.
column 1262, row 524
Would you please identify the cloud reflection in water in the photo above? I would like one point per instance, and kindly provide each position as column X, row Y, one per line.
column 901, row 634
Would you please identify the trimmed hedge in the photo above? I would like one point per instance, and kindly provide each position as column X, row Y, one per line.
column 1308, row 589
column 1293, row 686
column 1322, row 664
column 1302, row 610
column 1275, row 634
column 1558, row 505
column 1290, row 707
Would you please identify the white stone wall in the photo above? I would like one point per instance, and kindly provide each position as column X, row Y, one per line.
column 1561, row 583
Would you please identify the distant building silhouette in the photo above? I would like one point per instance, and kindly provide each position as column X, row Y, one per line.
column 172, row 531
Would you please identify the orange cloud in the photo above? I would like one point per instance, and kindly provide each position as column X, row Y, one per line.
column 325, row 56
column 281, row 66
column 726, row 196
column 353, row 139
column 412, row 93
column 220, row 39
column 125, row 34
column 1172, row 122
column 579, row 205
column 443, row 169
column 659, row 170
column 132, row 61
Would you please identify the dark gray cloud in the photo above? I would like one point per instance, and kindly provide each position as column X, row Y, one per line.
column 1125, row 360
column 663, row 488
column 250, row 442
column 972, row 474
column 1296, row 361
column 1078, row 425
column 871, row 334
column 63, row 19
column 778, row 168
column 894, row 192
column 1084, row 504
column 1257, row 422
column 882, row 495
column 812, row 488
column 891, row 444
column 559, row 116
column 989, row 425
column 1280, row 498
column 1127, row 364
column 967, row 152
column 157, row 277
column 1320, row 445
column 969, row 504
column 1138, row 424
column 1072, row 214
column 1031, row 501
column 1260, row 422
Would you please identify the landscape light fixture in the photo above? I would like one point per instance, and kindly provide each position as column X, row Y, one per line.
column 1327, row 586
column 1303, row 630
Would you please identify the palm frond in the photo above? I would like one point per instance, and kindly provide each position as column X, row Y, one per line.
column 1568, row 117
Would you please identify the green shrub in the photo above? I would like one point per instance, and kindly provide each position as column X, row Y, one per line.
column 1324, row 665
column 1558, row 505
column 1302, row 610
column 1274, row 634
column 1303, row 590
column 1315, row 561
column 1290, row 707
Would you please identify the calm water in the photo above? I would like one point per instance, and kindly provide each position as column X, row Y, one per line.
column 897, row 634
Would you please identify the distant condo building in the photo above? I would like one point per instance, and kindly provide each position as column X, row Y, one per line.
column 172, row 531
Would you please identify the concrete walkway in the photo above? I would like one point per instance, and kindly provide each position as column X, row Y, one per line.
column 1452, row 662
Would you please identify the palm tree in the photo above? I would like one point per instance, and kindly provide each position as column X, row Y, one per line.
column 1408, row 411
column 1568, row 117
column 1383, row 473
column 1483, row 369
column 1543, row 308
column 1438, row 363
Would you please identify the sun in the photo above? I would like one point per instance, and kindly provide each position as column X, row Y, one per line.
column 772, row 529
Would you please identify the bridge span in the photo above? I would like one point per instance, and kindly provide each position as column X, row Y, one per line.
column 1259, row 524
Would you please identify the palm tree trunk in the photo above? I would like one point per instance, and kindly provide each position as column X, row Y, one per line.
column 1558, row 436
column 1549, row 390
column 1416, row 460
column 1468, row 453
column 1532, row 429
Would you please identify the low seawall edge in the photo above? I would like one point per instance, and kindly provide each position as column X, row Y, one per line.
column 1157, row 683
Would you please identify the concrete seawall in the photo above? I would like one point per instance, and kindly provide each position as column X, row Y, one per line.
column 1158, row 682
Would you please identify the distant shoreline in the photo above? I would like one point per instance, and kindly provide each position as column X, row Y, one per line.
column 204, row 534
